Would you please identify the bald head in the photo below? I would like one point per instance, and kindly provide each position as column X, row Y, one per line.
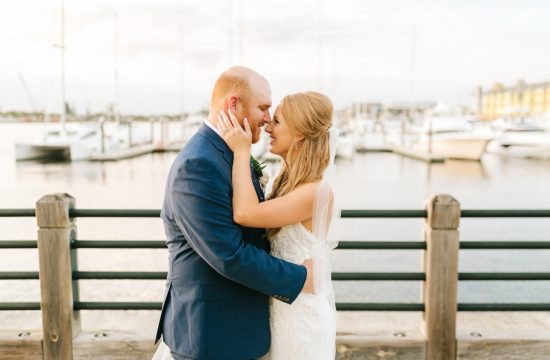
column 236, row 81
column 246, row 94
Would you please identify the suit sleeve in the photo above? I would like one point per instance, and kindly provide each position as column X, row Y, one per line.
column 202, row 208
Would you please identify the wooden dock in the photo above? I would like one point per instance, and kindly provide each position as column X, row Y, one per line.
column 360, row 335
column 419, row 155
column 135, row 151
column 126, row 153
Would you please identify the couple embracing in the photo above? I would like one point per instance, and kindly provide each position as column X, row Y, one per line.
column 236, row 291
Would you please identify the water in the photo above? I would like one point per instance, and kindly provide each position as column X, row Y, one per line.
column 371, row 181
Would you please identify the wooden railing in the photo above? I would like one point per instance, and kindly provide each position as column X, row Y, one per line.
column 58, row 274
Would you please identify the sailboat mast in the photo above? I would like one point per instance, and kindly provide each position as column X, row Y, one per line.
column 63, row 108
column 182, row 69
column 230, row 32
column 115, row 107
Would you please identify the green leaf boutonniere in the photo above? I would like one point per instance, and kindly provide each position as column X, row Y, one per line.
column 257, row 166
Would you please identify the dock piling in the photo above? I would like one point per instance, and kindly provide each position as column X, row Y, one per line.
column 60, row 324
column 441, row 268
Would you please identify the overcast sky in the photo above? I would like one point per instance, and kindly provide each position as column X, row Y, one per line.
column 395, row 50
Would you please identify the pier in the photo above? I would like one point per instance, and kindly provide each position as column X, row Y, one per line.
column 436, row 328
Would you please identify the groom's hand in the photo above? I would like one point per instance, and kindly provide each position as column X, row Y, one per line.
column 308, row 285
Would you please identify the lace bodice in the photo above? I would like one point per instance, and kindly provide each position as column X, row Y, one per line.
column 293, row 243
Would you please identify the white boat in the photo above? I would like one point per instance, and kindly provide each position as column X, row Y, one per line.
column 451, row 137
column 345, row 148
column 522, row 140
column 77, row 142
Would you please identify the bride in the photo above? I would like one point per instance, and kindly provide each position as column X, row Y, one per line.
column 298, row 213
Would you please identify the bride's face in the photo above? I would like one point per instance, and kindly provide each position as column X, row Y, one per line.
column 280, row 134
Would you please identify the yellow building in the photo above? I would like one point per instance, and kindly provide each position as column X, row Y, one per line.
column 521, row 100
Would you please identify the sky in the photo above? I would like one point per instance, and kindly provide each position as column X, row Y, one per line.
column 171, row 51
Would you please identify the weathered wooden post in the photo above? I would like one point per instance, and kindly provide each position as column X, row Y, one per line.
column 55, row 229
column 441, row 267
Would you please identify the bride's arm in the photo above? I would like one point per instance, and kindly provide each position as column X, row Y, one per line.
column 294, row 207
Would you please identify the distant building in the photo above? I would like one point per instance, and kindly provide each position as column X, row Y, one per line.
column 514, row 102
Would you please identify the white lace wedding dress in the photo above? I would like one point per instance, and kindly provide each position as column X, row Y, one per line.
column 305, row 329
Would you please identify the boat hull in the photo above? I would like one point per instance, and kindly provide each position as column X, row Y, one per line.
column 42, row 152
column 460, row 149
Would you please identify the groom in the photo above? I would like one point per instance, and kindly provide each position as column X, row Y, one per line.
column 220, row 274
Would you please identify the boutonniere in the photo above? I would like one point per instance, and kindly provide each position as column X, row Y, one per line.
column 257, row 166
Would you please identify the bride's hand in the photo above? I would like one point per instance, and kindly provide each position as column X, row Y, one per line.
column 237, row 139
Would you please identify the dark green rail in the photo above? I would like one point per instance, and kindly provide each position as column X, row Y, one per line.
column 337, row 276
column 17, row 212
column 339, row 306
column 154, row 213
column 343, row 245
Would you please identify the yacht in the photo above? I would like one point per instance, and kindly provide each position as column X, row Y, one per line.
column 521, row 139
column 345, row 149
column 71, row 143
column 451, row 137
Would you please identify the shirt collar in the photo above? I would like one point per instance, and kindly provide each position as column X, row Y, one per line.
column 211, row 126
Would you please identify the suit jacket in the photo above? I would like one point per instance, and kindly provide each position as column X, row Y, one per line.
column 220, row 274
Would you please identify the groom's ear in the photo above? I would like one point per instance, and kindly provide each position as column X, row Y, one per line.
column 232, row 103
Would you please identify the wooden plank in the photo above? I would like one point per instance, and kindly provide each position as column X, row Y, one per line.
column 113, row 345
column 59, row 322
column 379, row 335
column 20, row 345
column 503, row 349
column 503, row 335
column 372, row 348
column 441, row 267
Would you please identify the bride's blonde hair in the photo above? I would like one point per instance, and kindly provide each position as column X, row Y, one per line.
column 308, row 114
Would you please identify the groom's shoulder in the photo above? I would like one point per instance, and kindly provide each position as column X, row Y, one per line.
column 197, row 154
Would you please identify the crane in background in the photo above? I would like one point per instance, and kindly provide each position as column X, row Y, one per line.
column 32, row 101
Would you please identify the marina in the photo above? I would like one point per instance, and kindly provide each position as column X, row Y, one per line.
column 372, row 180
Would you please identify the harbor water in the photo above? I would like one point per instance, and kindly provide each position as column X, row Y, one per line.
column 369, row 181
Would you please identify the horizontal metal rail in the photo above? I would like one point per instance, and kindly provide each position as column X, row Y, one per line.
column 18, row 244
column 17, row 212
column 337, row 276
column 115, row 213
column 504, row 245
column 155, row 213
column 343, row 245
column 118, row 244
column 504, row 307
column 517, row 213
column 12, row 306
column 19, row 275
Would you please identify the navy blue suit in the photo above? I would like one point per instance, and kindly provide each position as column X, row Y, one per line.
column 220, row 274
